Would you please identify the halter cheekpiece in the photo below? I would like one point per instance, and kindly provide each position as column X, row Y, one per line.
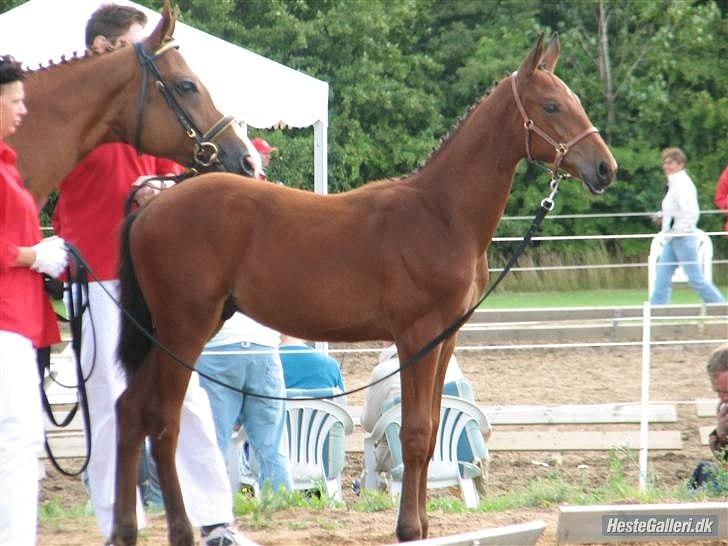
column 530, row 126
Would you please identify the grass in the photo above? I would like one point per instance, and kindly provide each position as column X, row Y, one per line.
column 555, row 488
column 681, row 294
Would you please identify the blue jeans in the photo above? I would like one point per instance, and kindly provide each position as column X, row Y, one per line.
column 682, row 250
column 264, row 420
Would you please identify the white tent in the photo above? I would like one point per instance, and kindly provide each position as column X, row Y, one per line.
column 279, row 96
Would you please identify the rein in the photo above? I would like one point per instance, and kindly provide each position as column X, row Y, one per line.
column 78, row 303
column 206, row 152
column 530, row 126
column 547, row 204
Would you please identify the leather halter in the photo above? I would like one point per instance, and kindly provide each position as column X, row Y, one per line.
column 529, row 125
column 206, row 151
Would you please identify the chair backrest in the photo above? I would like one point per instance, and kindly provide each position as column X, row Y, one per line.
column 308, row 425
column 335, row 443
column 457, row 416
column 705, row 259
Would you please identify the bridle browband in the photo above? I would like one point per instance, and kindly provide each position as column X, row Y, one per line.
column 206, row 151
column 529, row 125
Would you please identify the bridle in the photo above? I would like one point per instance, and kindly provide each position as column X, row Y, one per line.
column 206, row 152
column 530, row 126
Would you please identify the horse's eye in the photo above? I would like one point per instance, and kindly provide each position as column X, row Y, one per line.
column 551, row 107
column 185, row 86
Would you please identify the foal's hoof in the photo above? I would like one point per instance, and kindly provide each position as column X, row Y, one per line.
column 123, row 536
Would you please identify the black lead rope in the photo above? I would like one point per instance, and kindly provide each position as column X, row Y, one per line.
column 78, row 303
column 547, row 204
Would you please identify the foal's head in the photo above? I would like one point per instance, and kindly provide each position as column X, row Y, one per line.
column 552, row 108
column 178, row 117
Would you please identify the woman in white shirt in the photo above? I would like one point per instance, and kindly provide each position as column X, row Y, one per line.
column 679, row 220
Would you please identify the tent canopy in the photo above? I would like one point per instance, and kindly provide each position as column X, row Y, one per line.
column 253, row 89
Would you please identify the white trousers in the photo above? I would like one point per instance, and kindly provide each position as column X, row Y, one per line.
column 200, row 465
column 21, row 439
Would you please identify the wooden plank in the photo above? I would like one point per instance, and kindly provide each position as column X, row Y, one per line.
column 560, row 440
column 584, row 524
column 705, row 433
column 522, row 534
column 566, row 414
column 590, row 313
column 706, row 407
column 577, row 414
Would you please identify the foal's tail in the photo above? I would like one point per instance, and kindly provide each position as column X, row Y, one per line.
column 133, row 344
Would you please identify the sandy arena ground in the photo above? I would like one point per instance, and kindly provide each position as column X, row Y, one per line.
column 583, row 376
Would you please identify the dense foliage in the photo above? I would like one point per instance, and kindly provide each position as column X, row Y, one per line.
column 651, row 74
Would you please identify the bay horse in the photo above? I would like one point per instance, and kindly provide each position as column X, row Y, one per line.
column 393, row 260
column 145, row 96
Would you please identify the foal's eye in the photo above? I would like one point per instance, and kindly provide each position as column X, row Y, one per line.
column 185, row 86
column 551, row 107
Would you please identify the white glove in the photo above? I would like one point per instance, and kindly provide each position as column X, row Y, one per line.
column 51, row 256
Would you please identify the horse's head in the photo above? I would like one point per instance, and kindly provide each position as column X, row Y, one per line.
column 175, row 116
column 564, row 136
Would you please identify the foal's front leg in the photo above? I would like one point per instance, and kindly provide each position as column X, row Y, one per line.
column 415, row 436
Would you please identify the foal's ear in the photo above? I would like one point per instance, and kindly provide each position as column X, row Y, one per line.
column 532, row 60
column 551, row 57
column 165, row 28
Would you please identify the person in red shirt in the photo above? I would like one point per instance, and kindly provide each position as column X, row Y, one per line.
column 89, row 214
column 27, row 321
column 721, row 195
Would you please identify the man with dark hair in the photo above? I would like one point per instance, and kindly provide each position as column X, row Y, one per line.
column 89, row 214
column 110, row 25
column 707, row 473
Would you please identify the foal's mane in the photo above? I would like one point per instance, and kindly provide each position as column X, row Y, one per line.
column 445, row 140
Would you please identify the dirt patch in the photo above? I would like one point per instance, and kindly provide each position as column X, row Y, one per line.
column 583, row 376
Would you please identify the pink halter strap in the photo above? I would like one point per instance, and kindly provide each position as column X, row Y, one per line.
column 529, row 125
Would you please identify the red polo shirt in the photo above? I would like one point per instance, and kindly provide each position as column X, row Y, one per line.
column 90, row 209
column 24, row 307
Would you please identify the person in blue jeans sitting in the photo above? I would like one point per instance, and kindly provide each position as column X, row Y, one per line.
column 679, row 218
column 244, row 354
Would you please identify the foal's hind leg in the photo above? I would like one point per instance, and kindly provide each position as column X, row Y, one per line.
column 164, row 432
column 130, row 436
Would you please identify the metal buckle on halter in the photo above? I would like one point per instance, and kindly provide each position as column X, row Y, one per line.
column 548, row 202
column 562, row 149
column 206, row 153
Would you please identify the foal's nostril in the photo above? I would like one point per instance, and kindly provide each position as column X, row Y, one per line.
column 604, row 172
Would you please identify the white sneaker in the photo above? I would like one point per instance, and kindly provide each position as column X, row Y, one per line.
column 226, row 535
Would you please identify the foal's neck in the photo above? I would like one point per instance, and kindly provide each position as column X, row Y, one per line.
column 469, row 178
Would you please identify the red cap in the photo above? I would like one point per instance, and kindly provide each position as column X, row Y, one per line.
column 262, row 146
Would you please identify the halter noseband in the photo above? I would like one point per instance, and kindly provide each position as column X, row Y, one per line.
column 530, row 125
column 206, row 151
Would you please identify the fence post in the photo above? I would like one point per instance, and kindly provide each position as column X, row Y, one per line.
column 645, row 406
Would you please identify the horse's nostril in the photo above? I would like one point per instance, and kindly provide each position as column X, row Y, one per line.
column 603, row 171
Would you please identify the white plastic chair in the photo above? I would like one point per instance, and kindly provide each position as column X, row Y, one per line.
column 308, row 424
column 705, row 259
column 457, row 416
